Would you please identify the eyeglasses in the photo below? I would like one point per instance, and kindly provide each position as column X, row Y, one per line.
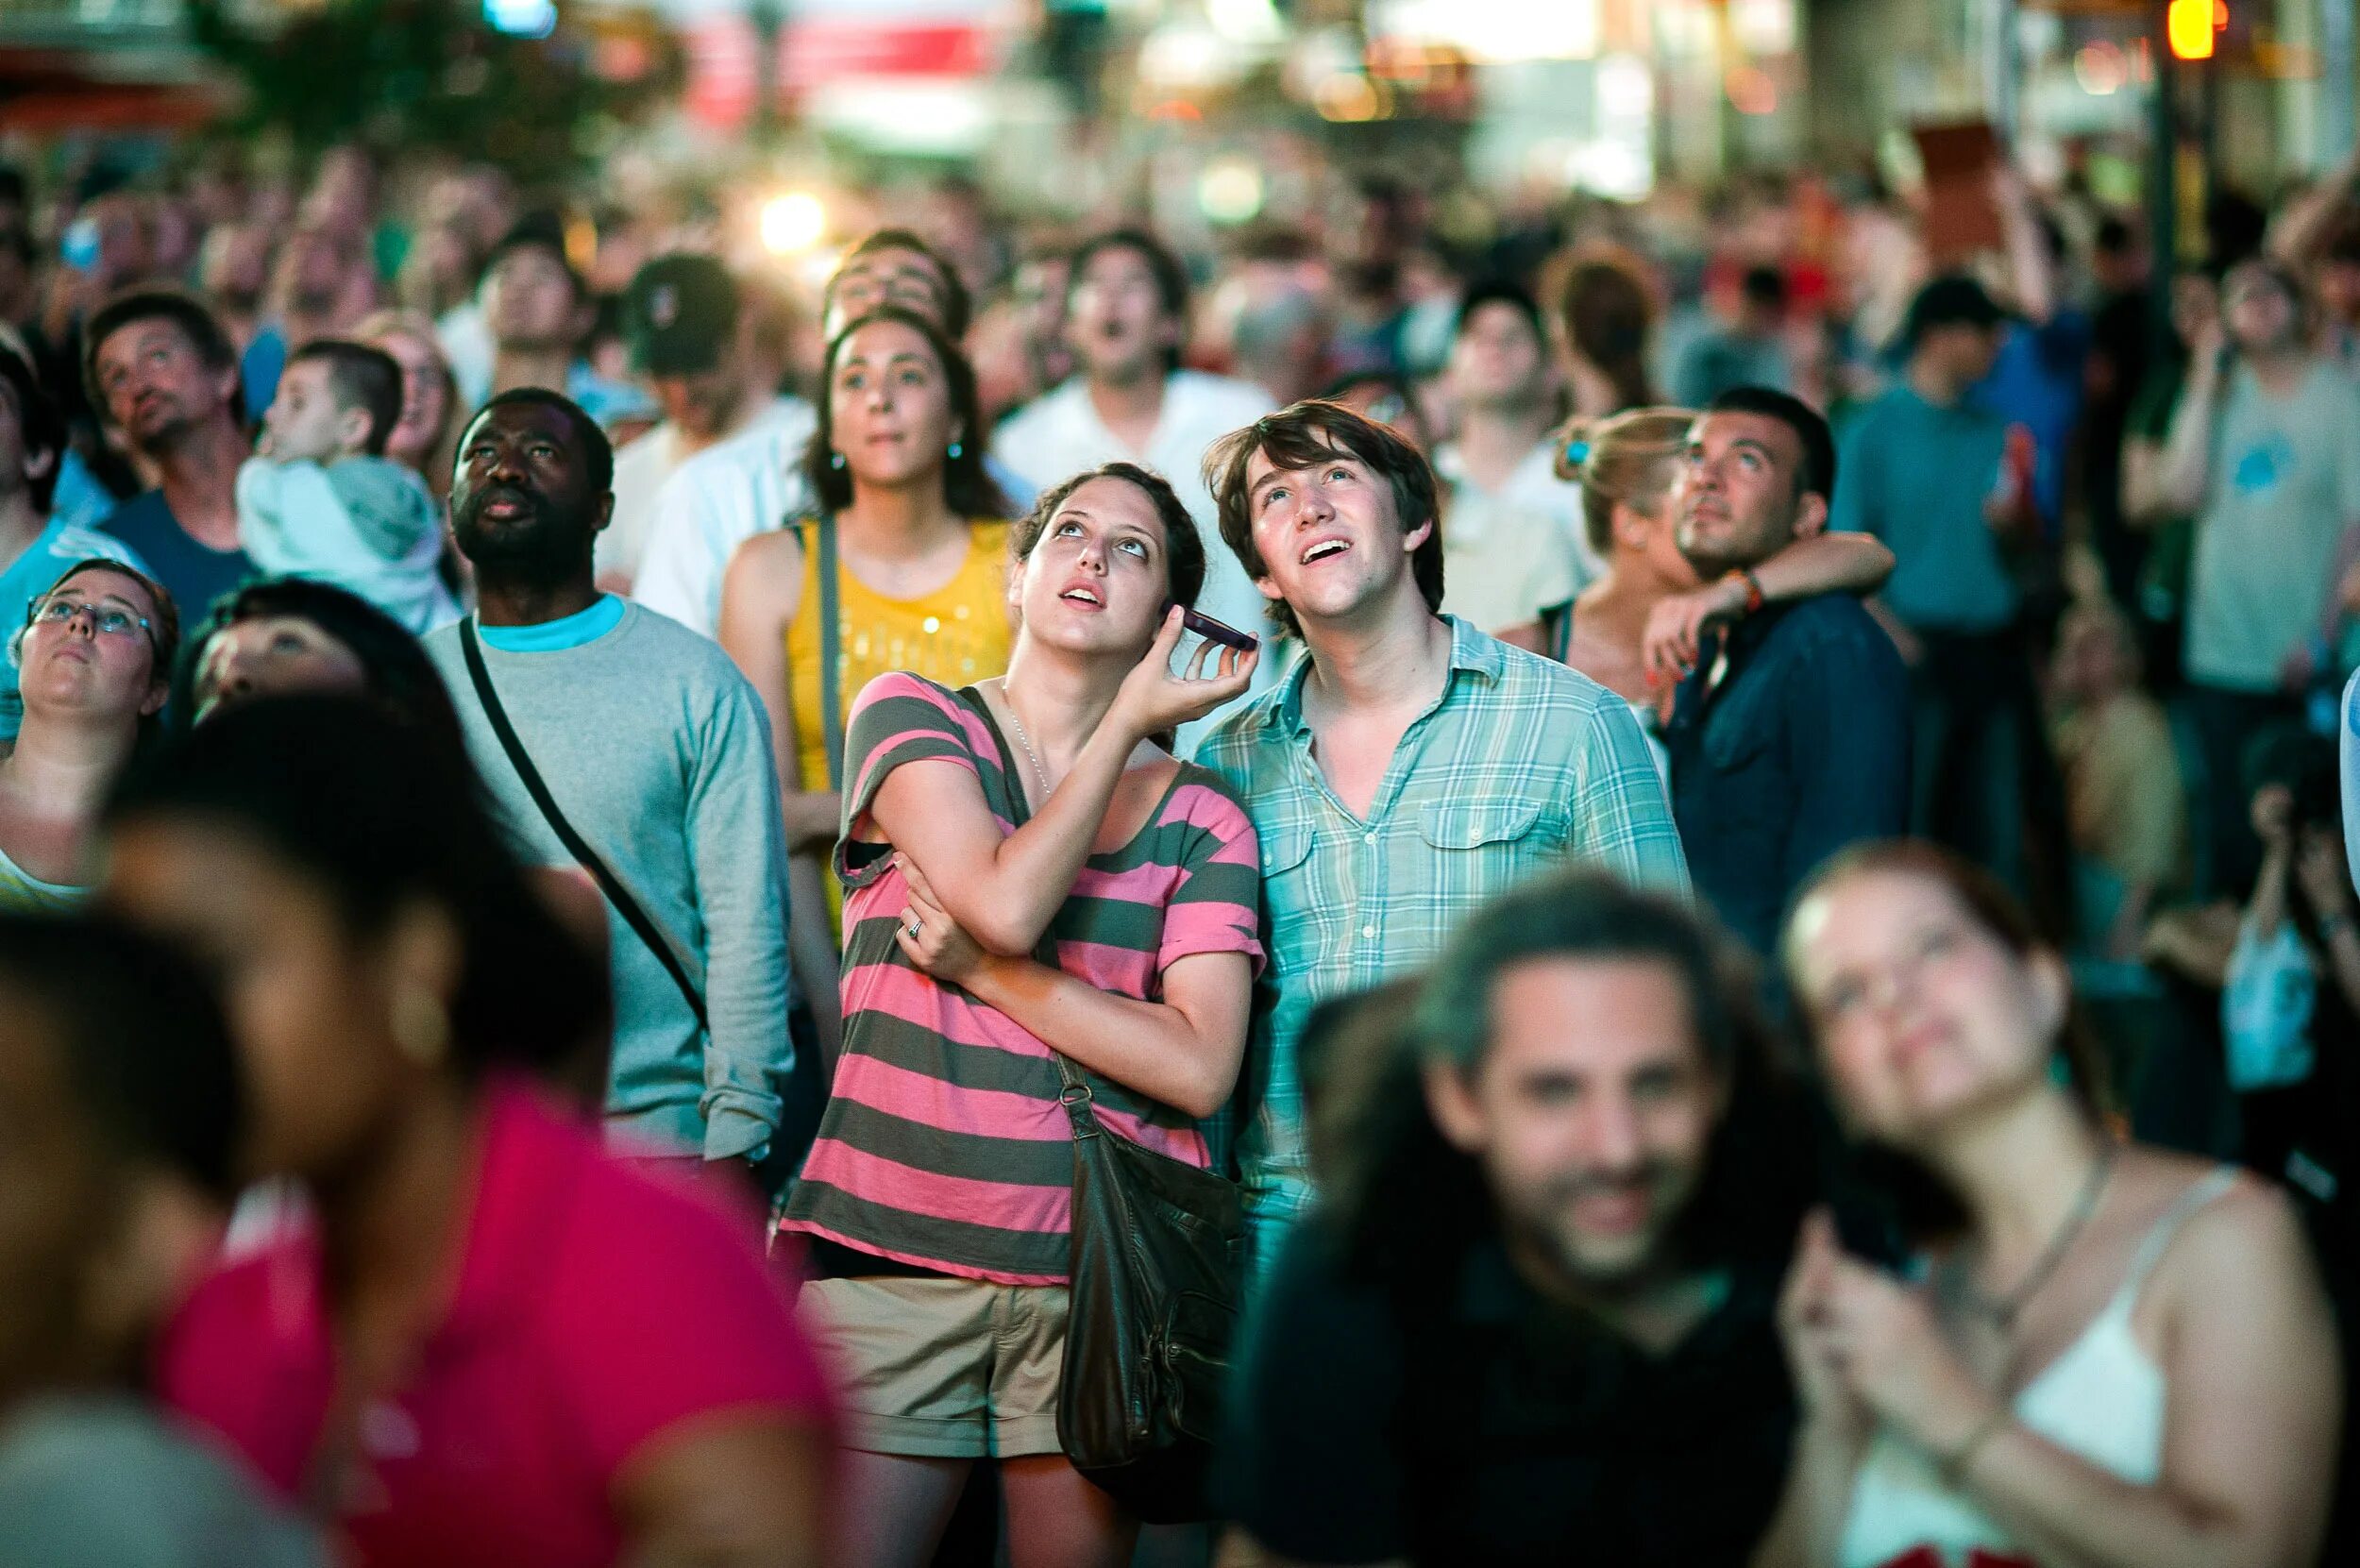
column 107, row 620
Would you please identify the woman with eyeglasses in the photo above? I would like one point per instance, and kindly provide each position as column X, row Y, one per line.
column 95, row 662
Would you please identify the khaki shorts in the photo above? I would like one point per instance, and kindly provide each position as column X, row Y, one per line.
column 951, row 1368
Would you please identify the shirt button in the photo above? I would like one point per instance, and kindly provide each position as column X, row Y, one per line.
column 1368, row 932
column 1368, row 837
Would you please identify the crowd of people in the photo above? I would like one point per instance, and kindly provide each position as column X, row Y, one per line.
column 1674, row 885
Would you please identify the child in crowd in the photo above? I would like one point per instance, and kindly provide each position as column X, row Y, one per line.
column 2128, row 809
column 320, row 500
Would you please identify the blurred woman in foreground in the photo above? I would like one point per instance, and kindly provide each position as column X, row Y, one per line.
column 120, row 1095
column 494, row 1345
column 2106, row 1355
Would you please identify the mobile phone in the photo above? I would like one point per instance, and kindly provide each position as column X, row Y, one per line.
column 1214, row 631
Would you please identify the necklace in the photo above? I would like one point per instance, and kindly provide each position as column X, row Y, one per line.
column 2004, row 1310
column 1024, row 740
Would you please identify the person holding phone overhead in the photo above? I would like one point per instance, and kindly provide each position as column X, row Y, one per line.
column 2111, row 1356
column 908, row 542
column 1028, row 878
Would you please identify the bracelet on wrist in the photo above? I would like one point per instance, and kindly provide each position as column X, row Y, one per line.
column 1954, row 1464
column 1742, row 577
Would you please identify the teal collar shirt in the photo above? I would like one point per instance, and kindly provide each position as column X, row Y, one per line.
column 1519, row 767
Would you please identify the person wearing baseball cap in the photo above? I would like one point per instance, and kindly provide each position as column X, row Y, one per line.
column 713, row 353
column 1949, row 483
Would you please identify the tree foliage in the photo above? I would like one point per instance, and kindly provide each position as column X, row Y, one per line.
column 420, row 77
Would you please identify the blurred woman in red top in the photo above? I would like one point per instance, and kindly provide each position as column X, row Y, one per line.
column 492, row 1344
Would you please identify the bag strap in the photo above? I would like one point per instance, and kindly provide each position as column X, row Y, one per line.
column 609, row 883
column 830, row 652
column 1077, row 1099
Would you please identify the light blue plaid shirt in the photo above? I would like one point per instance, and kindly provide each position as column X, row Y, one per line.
column 1519, row 767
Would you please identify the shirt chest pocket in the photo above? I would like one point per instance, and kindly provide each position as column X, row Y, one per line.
column 1479, row 844
column 1291, row 904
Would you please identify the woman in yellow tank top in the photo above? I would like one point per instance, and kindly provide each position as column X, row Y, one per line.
column 919, row 537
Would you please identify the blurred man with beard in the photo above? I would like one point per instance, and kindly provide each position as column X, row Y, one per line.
column 1534, row 1321
column 655, row 752
column 162, row 371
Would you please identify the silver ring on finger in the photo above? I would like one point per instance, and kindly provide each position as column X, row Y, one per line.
column 915, row 929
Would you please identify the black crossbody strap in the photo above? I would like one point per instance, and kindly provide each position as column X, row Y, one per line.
column 609, row 883
column 830, row 652
column 1080, row 1103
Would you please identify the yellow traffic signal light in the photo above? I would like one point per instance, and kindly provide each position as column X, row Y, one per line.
column 2189, row 27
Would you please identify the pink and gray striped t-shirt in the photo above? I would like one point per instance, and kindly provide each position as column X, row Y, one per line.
column 943, row 1144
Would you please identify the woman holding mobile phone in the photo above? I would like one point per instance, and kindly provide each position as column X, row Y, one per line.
column 2108, row 1354
column 1028, row 875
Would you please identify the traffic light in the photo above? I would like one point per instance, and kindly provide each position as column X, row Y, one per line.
column 2189, row 27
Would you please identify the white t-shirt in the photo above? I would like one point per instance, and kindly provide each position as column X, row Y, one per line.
column 1511, row 553
column 1060, row 434
column 715, row 502
column 641, row 467
column 2284, row 484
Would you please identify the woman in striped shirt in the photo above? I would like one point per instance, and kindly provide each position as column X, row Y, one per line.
column 1026, row 872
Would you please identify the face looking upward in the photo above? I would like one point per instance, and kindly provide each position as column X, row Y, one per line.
column 1117, row 327
column 2258, row 313
column 530, row 300
column 1098, row 579
column 271, row 656
column 1498, row 360
column 1923, row 1015
column 306, row 423
column 1592, row 1111
column 887, row 275
column 91, row 648
column 1738, row 497
column 425, row 397
column 156, row 384
column 1329, row 537
column 523, row 501
column 889, row 413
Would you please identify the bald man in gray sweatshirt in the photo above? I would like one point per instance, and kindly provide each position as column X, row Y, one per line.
column 655, row 751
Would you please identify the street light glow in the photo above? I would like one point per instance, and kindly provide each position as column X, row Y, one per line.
column 793, row 223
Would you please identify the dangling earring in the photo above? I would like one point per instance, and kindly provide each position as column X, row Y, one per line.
column 957, row 451
column 835, row 461
column 420, row 1025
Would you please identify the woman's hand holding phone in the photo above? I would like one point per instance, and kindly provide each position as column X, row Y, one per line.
column 1153, row 699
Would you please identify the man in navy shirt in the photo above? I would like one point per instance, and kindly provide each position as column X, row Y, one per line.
column 1791, row 738
column 161, row 370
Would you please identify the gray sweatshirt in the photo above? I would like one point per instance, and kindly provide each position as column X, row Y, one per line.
column 658, row 752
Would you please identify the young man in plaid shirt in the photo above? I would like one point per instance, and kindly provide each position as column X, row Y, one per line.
column 1406, row 769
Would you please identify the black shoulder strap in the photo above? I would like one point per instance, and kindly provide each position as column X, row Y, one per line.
column 609, row 883
column 831, row 651
column 1080, row 1103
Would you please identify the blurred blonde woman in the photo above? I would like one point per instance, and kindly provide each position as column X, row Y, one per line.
column 1635, row 629
column 425, row 436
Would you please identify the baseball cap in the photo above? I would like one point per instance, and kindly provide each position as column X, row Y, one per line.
column 679, row 313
